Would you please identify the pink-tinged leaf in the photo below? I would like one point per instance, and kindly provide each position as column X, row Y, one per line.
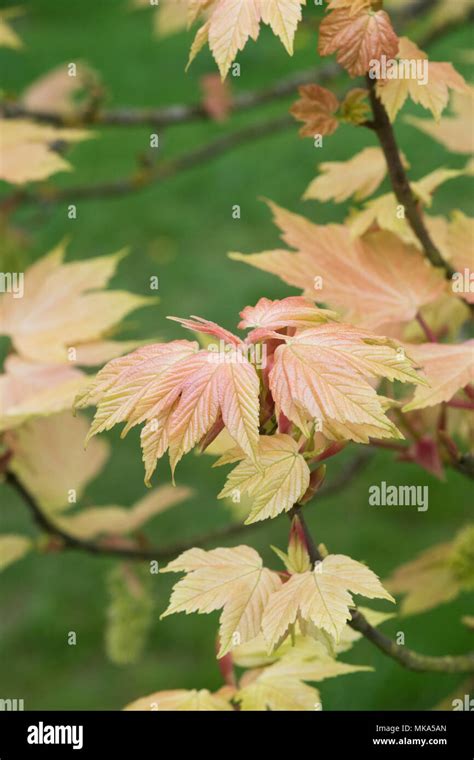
column 180, row 392
column 224, row 383
column 448, row 368
column 425, row 453
column 357, row 38
column 323, row 374
column 375, row 281
column 200, row 325
column 317, row 109
column 294, row 311
column 135, row 387
column 217, row 98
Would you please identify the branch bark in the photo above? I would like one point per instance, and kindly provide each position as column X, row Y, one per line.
column 162, row 553
column 382, row 127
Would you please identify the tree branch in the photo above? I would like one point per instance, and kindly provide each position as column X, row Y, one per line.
column 140, row 553
column 408, row 658
column 148, row 175
column 382, row 126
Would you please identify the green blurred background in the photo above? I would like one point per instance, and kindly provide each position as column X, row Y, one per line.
column 181, row 231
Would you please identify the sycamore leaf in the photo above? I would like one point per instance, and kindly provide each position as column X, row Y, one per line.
column 386, row 212
column 30, row 389
column 201, row 39
column 283, row 16
column 56, row 92
column 357, row 38
column 181, row 699
column 48, row 458
column 339, row 180
column 432, row 94
column 276, row 315
column 320, row 596
column 323, row 373
column 355, row 108
column 359, row 177
column 180, row 392
column 26, row 150
column 366, row 286
column 316, row 108
column 89, row 523
column 64, row 305
column 454, row 132
column 232, row 23
column 448, row 368
column 429, row 580
column 13, row 547
column 233, row 580
column 281, row 686
column 279, row 481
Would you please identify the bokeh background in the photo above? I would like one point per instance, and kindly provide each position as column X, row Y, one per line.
column 181, row 231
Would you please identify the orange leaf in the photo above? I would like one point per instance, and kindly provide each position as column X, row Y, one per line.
column 357, row 38
column 316, row 109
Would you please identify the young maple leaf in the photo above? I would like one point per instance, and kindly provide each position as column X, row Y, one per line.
column 359, row 177
column 448, row 368
column 294, row 311
column 323, row 373
column 180, row 392
column 373, row 282
column 30, row 389
column 56, row 91
column 26, row 150
column 118, row 521
column 233, row 580
column 317, row 109
column 384, row 210
column 454, row 132
column 64, row 305
column 358, row 38
column 181, row 699
column 230, row 23
column 432, row 95
column 281, row 685
column 431, row 578
column 320, row 596
column 279, row 481
column 48, row 458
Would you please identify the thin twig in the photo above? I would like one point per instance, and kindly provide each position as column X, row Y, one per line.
column 139, row 553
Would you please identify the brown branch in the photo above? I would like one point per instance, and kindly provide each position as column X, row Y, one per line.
column 171, row 115
column 148, row 175
column 383, row 128
column 139, row 553
column 408, row 658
